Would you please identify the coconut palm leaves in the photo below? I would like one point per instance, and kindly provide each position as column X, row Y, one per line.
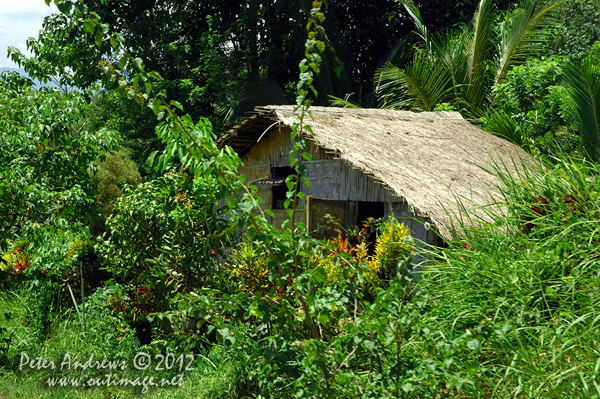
column 421, row 86
column 472, row 61
column 583, row 81
column 503, row 125
column 523, row 34
column 479, row 51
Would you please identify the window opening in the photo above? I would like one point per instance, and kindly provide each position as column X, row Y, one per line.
column 279, row 190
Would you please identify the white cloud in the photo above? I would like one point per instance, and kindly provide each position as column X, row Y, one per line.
column 20, row 20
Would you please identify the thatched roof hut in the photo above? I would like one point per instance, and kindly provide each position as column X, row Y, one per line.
column 428, row 159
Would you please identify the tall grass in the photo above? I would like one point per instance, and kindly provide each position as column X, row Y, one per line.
column 530, row 275
column 217, row 375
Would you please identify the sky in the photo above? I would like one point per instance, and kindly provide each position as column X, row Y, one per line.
column 20, row 19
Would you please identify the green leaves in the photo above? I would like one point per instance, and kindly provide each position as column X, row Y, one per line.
column 421, row 86
column 461, row 67
column 503, row 125
column 90, row 25
column 583, row 82
column 524, row 32
column 45, row 154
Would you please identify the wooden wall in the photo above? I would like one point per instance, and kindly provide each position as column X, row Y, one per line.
column 330, row 179
column 274, row 147
column 355, row 185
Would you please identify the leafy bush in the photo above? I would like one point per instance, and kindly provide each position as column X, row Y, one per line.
column 105, row 331
column 46, row 282
column 91, row 330
column 249, row 265
column 577, row 29
column 46, row 268
column 393, row 248
column 135, row 124
column 45, row 154
column 115, row 172
column 533, row 97
column 164, row 237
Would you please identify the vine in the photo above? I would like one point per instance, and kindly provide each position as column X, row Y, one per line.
column 195, row 145
column 307, row 334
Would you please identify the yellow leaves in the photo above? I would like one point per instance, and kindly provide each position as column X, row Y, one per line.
column 393, row 243
column 333, row 271
column 249, row 264
column 361, row 253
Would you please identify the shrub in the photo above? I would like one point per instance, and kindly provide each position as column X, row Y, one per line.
column 115, row 172
column 164, row 237
column 532, row 95
column 249, row 265
column 394, row 245
column 45, row 153
column 46, row 282
column 105, row 331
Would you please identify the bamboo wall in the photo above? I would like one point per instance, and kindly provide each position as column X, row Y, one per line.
column 330, row 179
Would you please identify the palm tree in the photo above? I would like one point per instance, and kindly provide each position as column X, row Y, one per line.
column 462, row 67
column 583, row 83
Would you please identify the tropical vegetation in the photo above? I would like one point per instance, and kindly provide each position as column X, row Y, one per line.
column 127, row 235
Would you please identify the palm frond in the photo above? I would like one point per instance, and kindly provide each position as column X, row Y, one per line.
column 583, row 82
column 422, row 85
column 401, row 52
column 465, row 63
column 481, row 51
column 342, row 102
column 451, row 49
column 503, row 125
column 523, row 33
column 415, row 15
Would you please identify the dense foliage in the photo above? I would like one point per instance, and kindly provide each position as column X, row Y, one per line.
column 45, row 153
column 124, row 229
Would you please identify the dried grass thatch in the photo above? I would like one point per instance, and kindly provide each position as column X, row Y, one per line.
column 431, row 159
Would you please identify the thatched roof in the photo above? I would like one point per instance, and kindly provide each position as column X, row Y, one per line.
column 428, row 158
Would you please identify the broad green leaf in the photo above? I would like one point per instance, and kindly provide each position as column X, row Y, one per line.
column 323, row 318
column 89, row 25
column 114, row 43
column 98, row 38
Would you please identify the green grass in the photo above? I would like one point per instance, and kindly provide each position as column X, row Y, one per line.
column 216, row 375
column 525, row 284
column 531, row 277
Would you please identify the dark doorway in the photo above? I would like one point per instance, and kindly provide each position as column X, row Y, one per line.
column 375, row 210
column 366, row 210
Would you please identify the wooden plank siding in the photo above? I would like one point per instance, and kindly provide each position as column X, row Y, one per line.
column 273, row 149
